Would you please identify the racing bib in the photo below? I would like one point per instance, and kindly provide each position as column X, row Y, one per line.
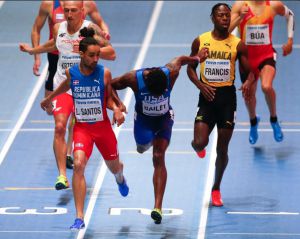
column 156, row 109
column 217, row 70
column 257, row 34
column 67, row 62
column 88, row 110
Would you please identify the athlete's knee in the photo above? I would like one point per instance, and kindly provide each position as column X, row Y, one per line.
column 60, row 128
column 199, row 144
column 79, row 165
column 267, row 88
column 141, row 148
column 159, row 159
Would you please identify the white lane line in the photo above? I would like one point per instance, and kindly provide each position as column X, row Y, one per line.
column 208, row 185
column 1, row 3
column 24, row 114
column 257, row 234
column 128, row 96
column 131, row 129
column 264, row 213
column 154, row 45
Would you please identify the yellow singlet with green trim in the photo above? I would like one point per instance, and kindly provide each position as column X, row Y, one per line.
column 218, row 69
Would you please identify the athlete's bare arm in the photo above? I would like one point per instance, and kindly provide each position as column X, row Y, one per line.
column 62, row 88
column 206, row 90
column 280, row 9
column 92, row 11
column 243, row 61
column 48, row 46
column 107, row 51
column 238, row 11
column 44, row 13
column 118, row 117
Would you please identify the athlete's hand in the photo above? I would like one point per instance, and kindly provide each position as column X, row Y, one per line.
column 203, row 54
column 248, row 89
column 25, row 48
column 207, row 91
column 122, row 107
column 46, row 105
column 244, row 10
column 118, row 117
column 36, row 65
column 106, row 35
column 288, row 47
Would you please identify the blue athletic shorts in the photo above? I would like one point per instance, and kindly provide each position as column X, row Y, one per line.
column 148, row 128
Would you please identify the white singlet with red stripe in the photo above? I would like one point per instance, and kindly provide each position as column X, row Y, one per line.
column 67, row 57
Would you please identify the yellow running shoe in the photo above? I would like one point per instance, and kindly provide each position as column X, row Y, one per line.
column 61, row 183
column 156, row 215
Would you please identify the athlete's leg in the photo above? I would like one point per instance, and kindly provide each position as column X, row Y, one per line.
column 59, row 143
column 160, row 172
column 251, row 104
column 224, row 136
column 69, row 159
column 201, row 136
column 267, row 75
column 78, row 182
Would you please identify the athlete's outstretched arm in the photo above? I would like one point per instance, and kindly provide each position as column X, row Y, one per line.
column 62, row 88
column 48, row 46
column 175, row 65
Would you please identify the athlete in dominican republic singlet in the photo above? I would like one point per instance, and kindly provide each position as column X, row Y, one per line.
column 92, row 123
column 153, row 115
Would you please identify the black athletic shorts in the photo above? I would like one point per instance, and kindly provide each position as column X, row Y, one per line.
column 52, row 59
column 220, row 111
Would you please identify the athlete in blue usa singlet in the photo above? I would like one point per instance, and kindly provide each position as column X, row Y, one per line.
column 153, row 115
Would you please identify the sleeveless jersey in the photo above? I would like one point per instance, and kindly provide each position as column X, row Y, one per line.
column 256, row 32
column 148, row 104
column 67, row 58
column 88, row 94
column 218, row 69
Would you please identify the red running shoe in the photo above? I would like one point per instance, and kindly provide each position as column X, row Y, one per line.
column 216, row 199
column 201, row 154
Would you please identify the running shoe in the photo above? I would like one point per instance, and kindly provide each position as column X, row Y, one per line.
column 201, row 154
column 123, row 188
column 78, row 224
column 61, row 183
column 69, row 161
column 253, row 136
column 156, row 215
column 216, row 199
column 277, row 132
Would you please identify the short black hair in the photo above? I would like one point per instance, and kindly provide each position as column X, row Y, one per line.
column 156, row 81
column 216, row 6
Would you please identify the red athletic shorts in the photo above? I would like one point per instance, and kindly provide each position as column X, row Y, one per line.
column 100, row 133
column 62, row 104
